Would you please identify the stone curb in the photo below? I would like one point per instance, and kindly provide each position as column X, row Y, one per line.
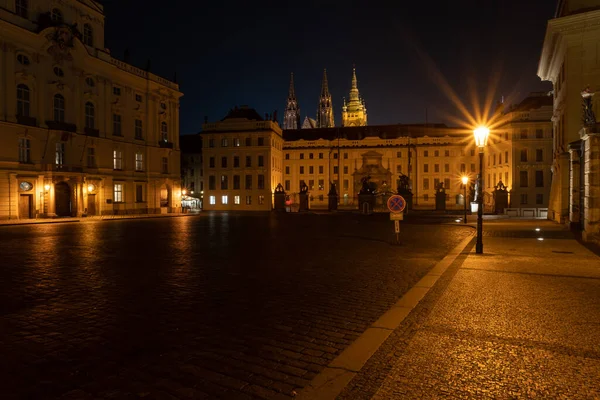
column 330, row 382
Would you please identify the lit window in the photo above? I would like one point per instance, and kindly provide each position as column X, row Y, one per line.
column 139, row 162
column 24, row 150
column 164, row 133
column 248, row 200
column 23, row 103
column 236, row 143
column 224, row 199
column 88, row 35
column 117, row 159
column 236, row 199
column 59, row 108
column 90, row 115
column 60, row 154
column 118, row 195
column 212, row 200
column 224, row 142
column 261, row 199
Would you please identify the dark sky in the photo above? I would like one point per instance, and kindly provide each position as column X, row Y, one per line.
column 229, row 53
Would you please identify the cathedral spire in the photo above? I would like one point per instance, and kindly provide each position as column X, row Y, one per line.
column 291, row 118
column 325, row 110
column 354, row 113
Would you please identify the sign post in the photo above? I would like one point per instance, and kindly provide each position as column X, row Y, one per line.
column 396, row 205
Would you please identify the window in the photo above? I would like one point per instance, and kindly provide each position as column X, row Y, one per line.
column 436, row 183
column 248, row 200
column 261, row 141
column 261, row 161
column 425, row 183
column 302, row 156
column 117, row 159
column 539, row 134
column 345, row 156
column 472, row 167
column 24, row 150
column 539, row 155
column 523, row 178
column 212, row 185
column 335, row 169
column 436, row 168
column 138, row 98
column 301, row 169
column 236, row 143
column 539, row 198
column 22, row 8
column 261, row 199
column 426, row 197
column 447, row 183
column 59, row 108
column 223, row 162
column 236, row 182
column 248, row 161
column 236, row 200
column 236, row 161
column 524, row 155
column 446, row 167
column 59, row 72
column 116, row 90
column 23, row 60
column 211, row 162
column 346, row 184
column 139, row 161
column 447, row 153
column 310, row 156
column 90, row 82
column 59, row 155
column 488, row 180
column 472, row 152
column 436, row 153
column 248, row 182
column 211, row 143
column 139, row 131
column 165, row 165
column 539, row 178
column 287, row 156
column 287, row 170
column 23, row 102
column 506, row 157
column 311, row 170
column 463, row 168
column 224, row 182
column 224, row 142
column 117, row 125
column 523, row 198
column 494, row 159
column 335, row 156
column 500, row 158
column 56, row 15
column 164, row 132
column 346, row 169
column 523, row 133
column 321, row 184
column 88, row 35
column 90, row 115
column 425, row 167
column 320, row 169
column 91, row 157
column 506, row 178
column 118, row 193
column 320, row 156
column 163, row 105
column 261, row 182
column 248, row 142
column 212, row 200
column 399, row 154
column 139, row 193
column 311, row 184
column 426, row 153
column 287, row 185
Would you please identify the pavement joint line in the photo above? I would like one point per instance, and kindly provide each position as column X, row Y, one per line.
column 329, row 383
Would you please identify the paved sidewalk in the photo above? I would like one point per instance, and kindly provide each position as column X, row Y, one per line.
column 59, row 220
column 519, row 321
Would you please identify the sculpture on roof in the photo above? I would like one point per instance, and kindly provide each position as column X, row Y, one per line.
column 588, row 114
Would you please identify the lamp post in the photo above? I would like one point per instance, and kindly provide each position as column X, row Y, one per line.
column 481, row 138
column 465, row 180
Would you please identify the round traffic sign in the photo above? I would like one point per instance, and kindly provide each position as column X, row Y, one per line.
column 396, row 203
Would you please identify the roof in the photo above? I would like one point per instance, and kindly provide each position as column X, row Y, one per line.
column 378, row 131
column 243, row 112
column 533, row 101
column 190, row 143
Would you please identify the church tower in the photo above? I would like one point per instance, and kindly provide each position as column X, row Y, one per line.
column 355, row 112
column 291, row 118
column 325, row 111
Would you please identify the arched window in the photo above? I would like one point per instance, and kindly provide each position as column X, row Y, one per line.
column 56, row 15
column 22, row 8
column 164, row 133
column 23, row 104
column 59, row 108
column 88, row 35
column 90, row 115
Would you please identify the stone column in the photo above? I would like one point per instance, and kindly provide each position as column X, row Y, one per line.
column 591, row 196
column 574, row 186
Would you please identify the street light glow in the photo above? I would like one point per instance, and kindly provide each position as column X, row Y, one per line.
column 465, row 180
column 481, row 136
column 47, row 187
column 184, row 192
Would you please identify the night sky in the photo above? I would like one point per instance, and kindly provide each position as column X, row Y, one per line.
column 231, row 53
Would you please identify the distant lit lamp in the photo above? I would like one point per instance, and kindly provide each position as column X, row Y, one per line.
column 191, row 192
column 184, row 192
column 91, row 188
column 465, row 180
column 47, row 187
column 481, row 137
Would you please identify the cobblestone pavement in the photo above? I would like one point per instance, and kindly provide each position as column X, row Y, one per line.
column 520, row 321
column 217, row 306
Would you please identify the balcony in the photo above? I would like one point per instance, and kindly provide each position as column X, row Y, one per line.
column 61, row 126
column 92, row 132
column 29, row 121
column 165, row 145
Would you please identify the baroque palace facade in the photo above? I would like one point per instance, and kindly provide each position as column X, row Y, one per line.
column 245, row 157
column 82, row 132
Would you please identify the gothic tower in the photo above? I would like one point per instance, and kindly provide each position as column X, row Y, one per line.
column 291, row 118
column 355, row 112
column 325, row 111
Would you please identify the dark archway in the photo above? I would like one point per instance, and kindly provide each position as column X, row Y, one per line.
column 62, row 199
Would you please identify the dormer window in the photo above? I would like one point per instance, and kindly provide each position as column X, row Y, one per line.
column 90, row 82
column 59, row 72
column 56, row 15
column 88, row 35
column 22, row 8
column 23, row 59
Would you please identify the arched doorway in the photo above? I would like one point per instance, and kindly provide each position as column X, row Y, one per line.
column 62, row 199
column 165, row 195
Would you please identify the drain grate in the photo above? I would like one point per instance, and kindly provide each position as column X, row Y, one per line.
column 562, row 252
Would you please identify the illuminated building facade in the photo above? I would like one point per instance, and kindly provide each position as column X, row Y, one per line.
column 82, row 132
column 354, row 113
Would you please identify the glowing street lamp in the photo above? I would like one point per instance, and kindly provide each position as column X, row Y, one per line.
column 481, row 137
column 465, row 180
column 184, row 192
